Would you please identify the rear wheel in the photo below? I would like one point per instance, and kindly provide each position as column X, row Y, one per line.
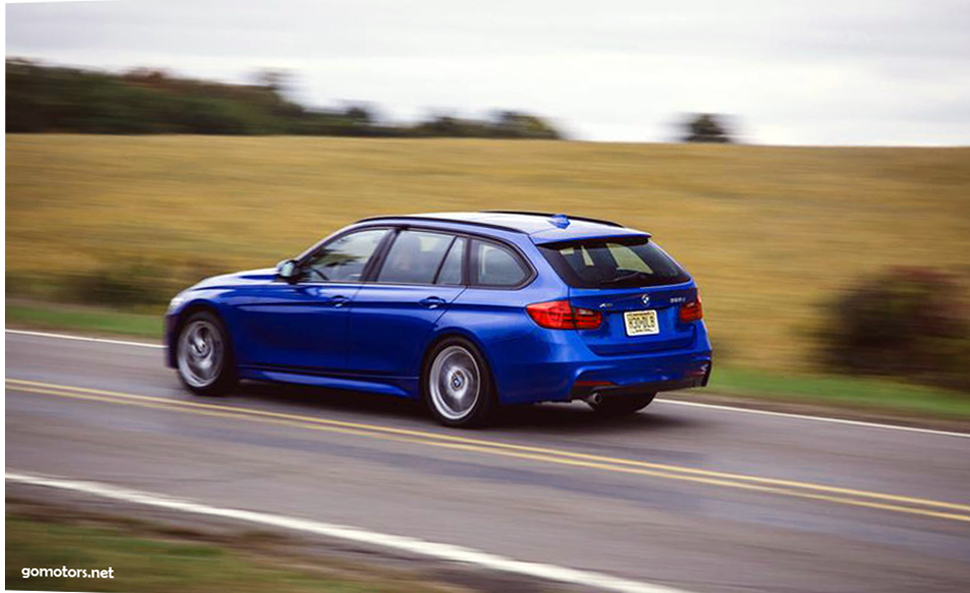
column 622, row 405
column 204, row 356
column 457, row 385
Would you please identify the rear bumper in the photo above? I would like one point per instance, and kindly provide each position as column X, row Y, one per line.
column 558, row 366
column 698, row 378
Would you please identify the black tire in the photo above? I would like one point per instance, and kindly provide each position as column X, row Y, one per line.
column 444, row 388
column 621, row 405
column 190, row 353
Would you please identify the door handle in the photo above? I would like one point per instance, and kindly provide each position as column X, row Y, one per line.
column 433, row 302
column 338, row 300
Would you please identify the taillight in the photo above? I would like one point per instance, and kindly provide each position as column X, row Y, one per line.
column 562, row 315
column 692, row 311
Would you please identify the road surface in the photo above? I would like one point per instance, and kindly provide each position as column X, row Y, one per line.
column 692, row 498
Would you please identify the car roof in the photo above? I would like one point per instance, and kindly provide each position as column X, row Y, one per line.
column 541, row 227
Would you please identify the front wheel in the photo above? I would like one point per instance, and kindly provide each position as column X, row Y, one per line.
column 457, row 385
column 622, row 405
column 204, row 355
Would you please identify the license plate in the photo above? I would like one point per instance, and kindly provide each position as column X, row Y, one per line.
column 641, row 323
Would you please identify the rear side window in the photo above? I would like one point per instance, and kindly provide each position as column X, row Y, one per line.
column 497, row 266
column 613, row 263
column 414, row 257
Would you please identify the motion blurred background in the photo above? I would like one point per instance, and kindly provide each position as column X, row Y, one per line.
column 806, row 163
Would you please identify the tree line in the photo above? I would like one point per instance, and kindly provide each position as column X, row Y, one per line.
column 44, row 98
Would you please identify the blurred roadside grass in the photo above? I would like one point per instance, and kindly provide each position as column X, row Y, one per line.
column 770, row 233
column 851, row 393
column 162, row 564
column 87, row 320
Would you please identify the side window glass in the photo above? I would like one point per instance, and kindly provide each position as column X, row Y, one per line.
column 451, row 269
column 498, row 266
column 344, row 259
column 414, row 257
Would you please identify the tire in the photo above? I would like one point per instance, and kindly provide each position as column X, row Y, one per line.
column 456, row 384
column 621, row 405
column 204, row 355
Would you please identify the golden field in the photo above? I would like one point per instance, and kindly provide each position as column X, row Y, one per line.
column 769, row 233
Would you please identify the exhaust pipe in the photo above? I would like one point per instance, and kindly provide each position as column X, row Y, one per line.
column 594, row 399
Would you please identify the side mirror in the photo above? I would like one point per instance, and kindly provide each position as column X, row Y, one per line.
column 286, row 270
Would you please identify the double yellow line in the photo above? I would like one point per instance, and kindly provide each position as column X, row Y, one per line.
column 791, row 488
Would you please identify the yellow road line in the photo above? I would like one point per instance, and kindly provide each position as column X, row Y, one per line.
column 512, row 446
column 752, row 483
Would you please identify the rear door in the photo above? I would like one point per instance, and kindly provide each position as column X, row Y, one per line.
column 636, row 287
column 392, row 317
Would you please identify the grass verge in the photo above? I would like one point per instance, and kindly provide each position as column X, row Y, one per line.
column 84, row 320
column 856, row 393
column 155, row 563
column 860, row 394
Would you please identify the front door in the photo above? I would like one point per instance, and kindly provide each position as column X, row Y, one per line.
column 303, row 326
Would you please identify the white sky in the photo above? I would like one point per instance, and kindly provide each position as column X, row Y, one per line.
column 804, row 72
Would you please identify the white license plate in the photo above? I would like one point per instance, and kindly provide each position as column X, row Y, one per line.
column 641, row 323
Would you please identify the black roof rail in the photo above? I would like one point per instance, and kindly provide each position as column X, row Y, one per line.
column 488, row 225
column 551, row 214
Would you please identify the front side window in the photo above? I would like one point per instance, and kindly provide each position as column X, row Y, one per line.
column 415, row 257
column 613, row 263
column 498, row 266
column 344, row 258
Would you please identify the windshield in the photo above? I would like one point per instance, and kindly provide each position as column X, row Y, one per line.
column 613, row 263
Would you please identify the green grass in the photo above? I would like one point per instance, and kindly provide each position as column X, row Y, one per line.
column 84, row 320
column 150, row 564
column 855, row 393
column 845, row 392
column 770, row 233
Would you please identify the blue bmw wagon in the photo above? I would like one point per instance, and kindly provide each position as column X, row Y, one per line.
column 465, row 311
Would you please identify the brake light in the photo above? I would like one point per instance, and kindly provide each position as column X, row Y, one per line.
column 692, row 311
column 562, row 315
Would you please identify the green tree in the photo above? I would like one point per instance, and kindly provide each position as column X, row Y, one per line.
column 706, row 127
column 147, row 101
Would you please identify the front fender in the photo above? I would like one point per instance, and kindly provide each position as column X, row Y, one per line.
column 181, row 308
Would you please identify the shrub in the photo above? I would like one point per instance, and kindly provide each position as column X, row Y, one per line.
column 118, row 286
column 134, row 283
column 906, row 322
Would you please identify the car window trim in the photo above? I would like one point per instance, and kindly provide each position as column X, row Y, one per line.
column 376, row 262
column 441, row 264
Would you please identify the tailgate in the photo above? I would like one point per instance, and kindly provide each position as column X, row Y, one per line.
column 652, row 334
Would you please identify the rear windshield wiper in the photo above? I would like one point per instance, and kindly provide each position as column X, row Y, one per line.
column 626, row 278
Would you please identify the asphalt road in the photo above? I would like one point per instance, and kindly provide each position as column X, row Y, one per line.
column 696, row 498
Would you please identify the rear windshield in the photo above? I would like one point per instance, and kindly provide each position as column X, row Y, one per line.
column 613, row 263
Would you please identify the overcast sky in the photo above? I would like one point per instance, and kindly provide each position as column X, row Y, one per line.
column 804, row 72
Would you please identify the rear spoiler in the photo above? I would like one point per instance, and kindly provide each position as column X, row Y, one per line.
column 553, row 215
column 554, row 239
